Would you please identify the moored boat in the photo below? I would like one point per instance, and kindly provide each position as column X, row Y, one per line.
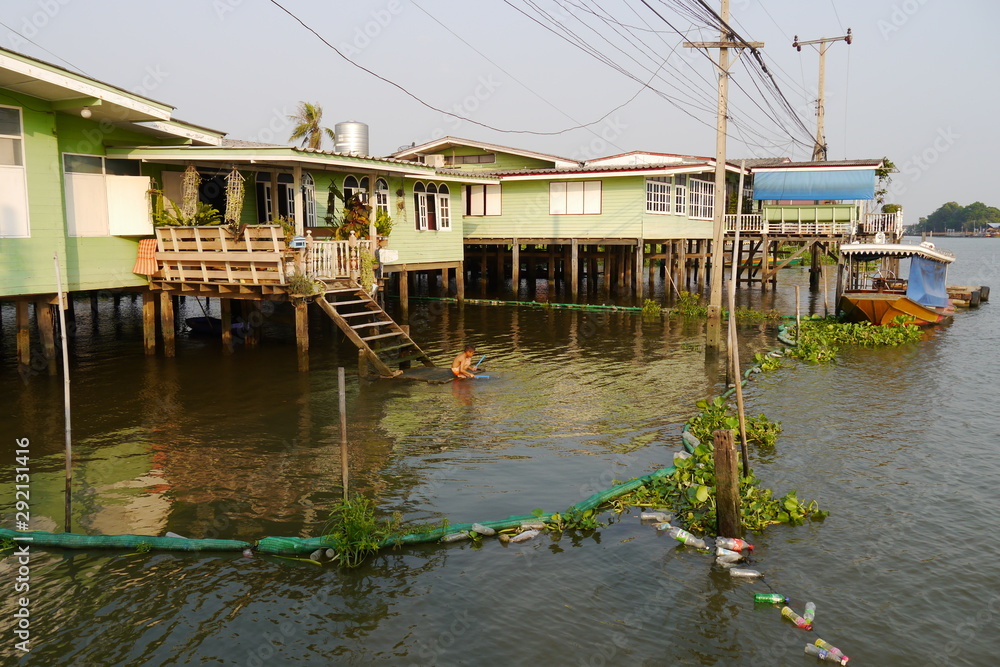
column 881, row 296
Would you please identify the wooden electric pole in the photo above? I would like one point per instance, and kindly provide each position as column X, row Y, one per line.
column 819, row 149
column 726, row 42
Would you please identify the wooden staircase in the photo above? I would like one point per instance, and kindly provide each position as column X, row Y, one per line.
column 378, row 338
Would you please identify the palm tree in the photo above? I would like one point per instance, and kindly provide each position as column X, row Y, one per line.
column 308, row 128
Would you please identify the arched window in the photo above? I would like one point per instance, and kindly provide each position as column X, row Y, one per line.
column 309, row 200
column 381, row 196
column 420, row 205
column 353, row 186
column 432, row 204
column 444, row 208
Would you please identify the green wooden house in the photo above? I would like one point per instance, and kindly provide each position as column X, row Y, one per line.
column 620, row 210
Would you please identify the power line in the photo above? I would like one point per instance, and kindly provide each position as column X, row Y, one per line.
column 420, row 100
column 20, row 36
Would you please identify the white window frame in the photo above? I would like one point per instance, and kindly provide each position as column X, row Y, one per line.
column 659, row 195
column 14, row 182
column 108, row 214
column 575, row 197
column 443, row 203
column 680, row 195
column 483, row 200
column 381, row 196
column 701, row 199
column 360, row 187
column 420, row 206
column 308, row 200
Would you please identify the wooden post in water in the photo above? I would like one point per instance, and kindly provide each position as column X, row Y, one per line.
column 149, row 322
column 23, row 318
column 460, row 281
column 404, row 294
column 302, row 333
column 734, row 346
column 226, row 313
column 46, row 329
column 826, row 293
column 798, row 320
column 727, row 485
column 66, row 403
column 167, row 323
column 515, row 267
column 574, row 269
column 342, row 391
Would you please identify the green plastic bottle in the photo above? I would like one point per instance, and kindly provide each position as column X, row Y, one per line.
column 770, row 598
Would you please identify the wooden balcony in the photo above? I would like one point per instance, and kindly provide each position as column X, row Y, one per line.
column 890, row 224
column 258, row 256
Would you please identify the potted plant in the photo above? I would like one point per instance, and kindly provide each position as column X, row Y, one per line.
column 383, row 227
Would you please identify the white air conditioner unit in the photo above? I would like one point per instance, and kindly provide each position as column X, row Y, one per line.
column 436, row 161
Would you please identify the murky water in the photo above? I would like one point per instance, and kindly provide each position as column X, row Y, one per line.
column 899, row 445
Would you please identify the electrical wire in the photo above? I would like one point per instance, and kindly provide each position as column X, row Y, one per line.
column 20, row 36
column 420, row 100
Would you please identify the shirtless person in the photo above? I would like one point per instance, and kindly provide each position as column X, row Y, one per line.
column 463, row 362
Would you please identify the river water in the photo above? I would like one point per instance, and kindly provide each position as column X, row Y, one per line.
column 899, row 445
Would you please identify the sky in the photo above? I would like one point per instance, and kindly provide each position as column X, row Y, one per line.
column 914, row 84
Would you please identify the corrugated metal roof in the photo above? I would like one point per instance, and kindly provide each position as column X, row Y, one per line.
column 875, row 162
column 875, row 250
column 596, row 169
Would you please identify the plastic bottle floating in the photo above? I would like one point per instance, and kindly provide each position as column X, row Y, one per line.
column 832, row 649
column 770, row 598
column 455, row 537
column 823, row 654
column 810, row 613
column 719, row 551
column 525, row 536
column 659, row 517
column 733, row 543
column 662, row 526
column 744, row 573
column 728, row 561
column 795, row 618
column 687, row 538
column 483, row 530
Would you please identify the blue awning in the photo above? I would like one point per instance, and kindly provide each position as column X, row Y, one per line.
column 815, row 185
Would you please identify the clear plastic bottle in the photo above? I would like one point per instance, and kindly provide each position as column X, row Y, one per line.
column 455, row 537
column 727, row 561
column 733, row 543
column 770, row 598
column 662, row 526
column 810, row 613
column 800, row 622
column 823, row 654
column 744, row 573
column 687, row 538
column 832, row 649
column 719, row 551
column 659, row 517
column 483, row 530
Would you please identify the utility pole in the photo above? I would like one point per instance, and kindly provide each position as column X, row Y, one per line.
column 714, row 328
column 819, row 150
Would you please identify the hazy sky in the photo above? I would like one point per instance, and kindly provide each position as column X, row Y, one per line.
column 913, row 86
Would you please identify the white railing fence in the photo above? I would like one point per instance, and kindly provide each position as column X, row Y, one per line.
column 334, row 259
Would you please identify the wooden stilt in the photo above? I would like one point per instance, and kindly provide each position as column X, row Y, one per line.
column 460, row 282
column 23, row 335
column 47, row 332
column 814, row 267
column 149, row 322
column 167, row 324
column 727, row 479
column 94, row 306
column 640, row 248
column 550, row 274
column 404, row 295
column 302, row 333
column 574, row 269
column 445, row 282
column 252, row 320
column 226, row 314
column 515, row 268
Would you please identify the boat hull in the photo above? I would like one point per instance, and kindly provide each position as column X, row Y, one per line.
column 881, row 308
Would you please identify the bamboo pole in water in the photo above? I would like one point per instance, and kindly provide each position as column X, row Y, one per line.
column 341, row 388
column 733, row 342
column 66, row 396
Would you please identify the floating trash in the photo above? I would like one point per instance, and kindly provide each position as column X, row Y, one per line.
column 455, row 537
column 532, row 525
column 687, row 538
column 832, row 649
column 823, row 654
column 525, row 536
column 483, row 530
column 799, row 622
column 810, row 613
column 733, row 543
column 770, row 598
column 719, row 551
column 744, row 573
column 661, row 517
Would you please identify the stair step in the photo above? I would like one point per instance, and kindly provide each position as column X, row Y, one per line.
column 347, row 303
column 393, row 348
column 361, row 312
column 381, row 323
column 343, row 290
column 386, row 335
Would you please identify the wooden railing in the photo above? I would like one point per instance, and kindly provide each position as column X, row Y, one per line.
column 214, row 255
column 750, row 223
column 891, row 224
column 334, row 259
column 820, row 220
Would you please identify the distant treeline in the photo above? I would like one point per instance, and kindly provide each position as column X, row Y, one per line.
column 953, row 216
